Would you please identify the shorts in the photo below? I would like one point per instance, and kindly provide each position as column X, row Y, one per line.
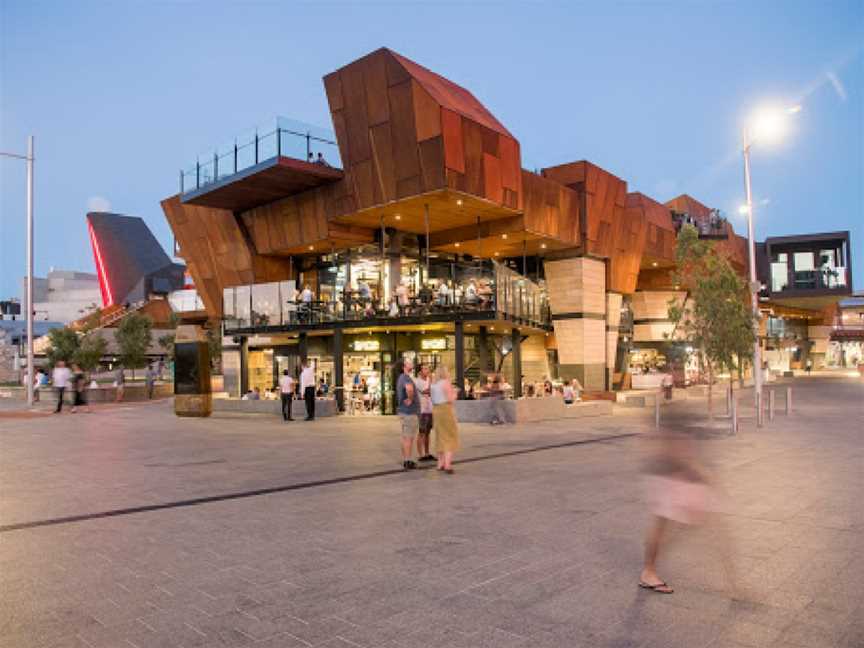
column 410, row 425
column 426, row 423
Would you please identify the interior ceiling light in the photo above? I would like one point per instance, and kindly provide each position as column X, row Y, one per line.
column 542, row 246
column 398, row 217
column 459, row 202
column 311, row 247
column 503, row 236
column 458, row 244
column 654, row 264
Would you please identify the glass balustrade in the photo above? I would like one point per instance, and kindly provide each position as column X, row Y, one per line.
column 279, row 138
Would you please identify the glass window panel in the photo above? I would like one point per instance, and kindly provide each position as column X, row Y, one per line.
column 242, row 307
column 265, row 304
column 803, row 261
column 779, row 276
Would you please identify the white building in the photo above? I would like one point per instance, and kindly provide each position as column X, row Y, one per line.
column 64, row 295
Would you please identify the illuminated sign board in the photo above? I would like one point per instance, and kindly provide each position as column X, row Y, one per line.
column 433, row 344
column 367, row 345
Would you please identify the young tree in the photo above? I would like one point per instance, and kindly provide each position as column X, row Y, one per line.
column 64, row 345
column 167, row 343
column 91, row 348
column 715, row 319
column 214, row 347
column 133, row 339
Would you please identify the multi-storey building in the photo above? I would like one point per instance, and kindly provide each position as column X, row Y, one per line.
column 414, row 230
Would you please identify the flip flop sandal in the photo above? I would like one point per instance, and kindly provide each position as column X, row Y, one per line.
column 660, row 588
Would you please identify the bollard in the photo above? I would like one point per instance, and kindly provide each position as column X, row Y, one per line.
column 788, row 401
column 771, row 405
column 729, row 400
column 757, row 400
column 657, row 411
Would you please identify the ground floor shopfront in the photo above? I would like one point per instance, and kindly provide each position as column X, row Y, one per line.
column 359, row 366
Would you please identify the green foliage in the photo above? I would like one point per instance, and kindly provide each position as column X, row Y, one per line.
column 91, row 348
column 167, row 342
column 716, row 319
column 64, row 345
column 214, row 347
column 133, row 339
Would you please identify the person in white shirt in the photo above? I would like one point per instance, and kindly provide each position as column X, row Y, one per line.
column 402, row 296
column 443, row 294
column 307, row 386
column 37, row 382
column 286, row 393
column 307, row 295
column 60, row 377
column 423, row 383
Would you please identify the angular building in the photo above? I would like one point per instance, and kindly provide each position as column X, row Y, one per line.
column 414, row 231
column 130, row 264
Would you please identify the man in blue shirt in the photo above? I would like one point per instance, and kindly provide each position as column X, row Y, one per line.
column 408, row 408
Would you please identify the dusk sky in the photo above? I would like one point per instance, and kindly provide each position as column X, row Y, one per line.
column 121, row 95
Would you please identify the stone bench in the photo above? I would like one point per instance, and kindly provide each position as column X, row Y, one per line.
column 526, row 410
column 323, row 407
column 108, row 393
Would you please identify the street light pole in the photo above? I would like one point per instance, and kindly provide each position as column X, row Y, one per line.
column 30, row 373
column 754, row 284
column 29, row 281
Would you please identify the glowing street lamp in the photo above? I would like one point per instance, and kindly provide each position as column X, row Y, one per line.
column 768, row 125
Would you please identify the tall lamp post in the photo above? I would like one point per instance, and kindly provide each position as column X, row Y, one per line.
column 768, row 124
column 29, row 160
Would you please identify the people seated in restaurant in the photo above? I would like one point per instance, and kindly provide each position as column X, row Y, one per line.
column 402, row 299
column 364, row 290
column 323, row 388
column 471, row 297
column 393, row 311
column 306, row 296
column 443, row 294
column 369, row 309
column 252, row 394
column 425, row 294
column 484, row 292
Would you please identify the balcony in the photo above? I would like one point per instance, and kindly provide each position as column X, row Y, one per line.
column 490, row 292
column 712, row 227
column 265, row 164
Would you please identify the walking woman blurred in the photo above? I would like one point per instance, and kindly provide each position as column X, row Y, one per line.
column 446, row 429
column 79, row 387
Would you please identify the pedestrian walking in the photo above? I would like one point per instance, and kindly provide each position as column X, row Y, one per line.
column 60, row 377
column 150, row 381
column 38, row 379
column 677, row 491
column 286, row 393
column 119, row 384
column 423, row 382
column 408, row 409
column 446, row 429
column 307, row 386
column 79, row 389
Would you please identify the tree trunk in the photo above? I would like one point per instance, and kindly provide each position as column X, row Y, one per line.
column 710, row 391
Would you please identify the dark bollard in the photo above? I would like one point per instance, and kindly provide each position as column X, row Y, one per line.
column 733, row 408
column 771, row 405
column 788, row 401
column 657, row 411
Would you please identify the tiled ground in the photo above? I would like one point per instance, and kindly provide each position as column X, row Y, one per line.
column 531, row 550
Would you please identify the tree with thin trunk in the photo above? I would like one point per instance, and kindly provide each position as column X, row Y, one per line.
column 715, row 319
column 133, row 338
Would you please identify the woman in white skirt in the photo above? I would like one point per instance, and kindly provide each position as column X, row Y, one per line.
column 446, row 429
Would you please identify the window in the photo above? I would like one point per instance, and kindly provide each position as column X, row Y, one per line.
column 780, row 272
column 804, row 262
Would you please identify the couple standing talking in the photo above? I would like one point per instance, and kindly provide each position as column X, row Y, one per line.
column 424, row 402
column 307, row 389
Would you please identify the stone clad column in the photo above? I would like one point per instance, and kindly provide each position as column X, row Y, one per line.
column 577, row 298
column 651, row 321
column 613, row 321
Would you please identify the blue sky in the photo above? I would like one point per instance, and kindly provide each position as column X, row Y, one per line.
column 120, row 95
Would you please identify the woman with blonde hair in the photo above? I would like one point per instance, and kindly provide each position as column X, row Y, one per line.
column 446, row 429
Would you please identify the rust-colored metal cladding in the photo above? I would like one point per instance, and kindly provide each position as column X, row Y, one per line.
column 217, row 252
column 658, row 249
column 603, row 198
column 405, row 131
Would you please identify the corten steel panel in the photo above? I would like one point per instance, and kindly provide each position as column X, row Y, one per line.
column 432, row 162
column 689, row 205
column 385, row 168
column 427, row 113
column 375, row 82
column 405, row 154
column 492, row 189
column 420, row 106
column 454, row 149
column 217, row 252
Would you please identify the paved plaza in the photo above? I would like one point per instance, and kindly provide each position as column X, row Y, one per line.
column 131, row 528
